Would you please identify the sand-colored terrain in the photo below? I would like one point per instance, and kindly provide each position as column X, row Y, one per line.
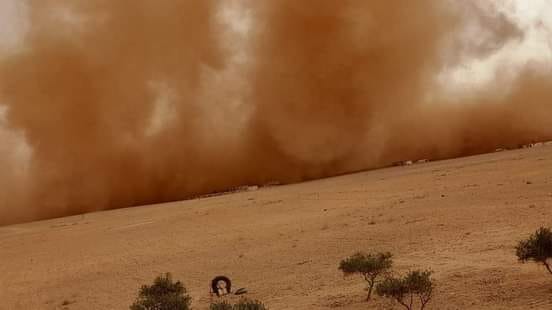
column 462, row 218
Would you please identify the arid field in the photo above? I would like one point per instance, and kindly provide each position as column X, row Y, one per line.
column 462, row 218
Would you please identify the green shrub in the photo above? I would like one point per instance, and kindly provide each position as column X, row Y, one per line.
column 537, row 248
column 244, row 304
column 164, row 294
column 369, row 266
column 416, row 285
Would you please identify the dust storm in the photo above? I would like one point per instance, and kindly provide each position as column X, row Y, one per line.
column 123, row 105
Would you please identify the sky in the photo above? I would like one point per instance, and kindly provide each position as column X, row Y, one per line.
column 534, row 17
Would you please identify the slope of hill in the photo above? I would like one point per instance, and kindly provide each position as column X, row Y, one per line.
column 462, row 218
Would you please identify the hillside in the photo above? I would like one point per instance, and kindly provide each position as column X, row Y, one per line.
column 462, row 218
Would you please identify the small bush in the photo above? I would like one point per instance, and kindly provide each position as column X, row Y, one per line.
column 164, row 294
column 537, row 248
column 415, row 285
column 244, row 304
column 369, row 266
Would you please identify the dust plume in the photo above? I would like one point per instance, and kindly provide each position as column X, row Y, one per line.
column 346, row 86
column 107, row 96
column 328, row 75
column 122, row 105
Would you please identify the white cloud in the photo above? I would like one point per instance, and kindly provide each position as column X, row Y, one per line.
column 534, row 17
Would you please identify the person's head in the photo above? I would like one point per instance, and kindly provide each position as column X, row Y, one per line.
column 221, row 284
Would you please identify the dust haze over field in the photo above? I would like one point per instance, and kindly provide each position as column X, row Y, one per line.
column 125, row 105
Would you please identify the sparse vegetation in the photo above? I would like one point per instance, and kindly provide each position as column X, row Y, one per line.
column 537, row 248
column 370, row 266
column 416, row 285
column 164, row 294
column 243, row 304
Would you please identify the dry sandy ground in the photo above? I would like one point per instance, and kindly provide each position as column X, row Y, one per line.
column 462, row 218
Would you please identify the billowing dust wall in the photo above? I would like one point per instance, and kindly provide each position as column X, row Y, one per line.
column 123, row 104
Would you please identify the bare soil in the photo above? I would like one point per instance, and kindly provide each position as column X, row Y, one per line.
column 462, row 218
